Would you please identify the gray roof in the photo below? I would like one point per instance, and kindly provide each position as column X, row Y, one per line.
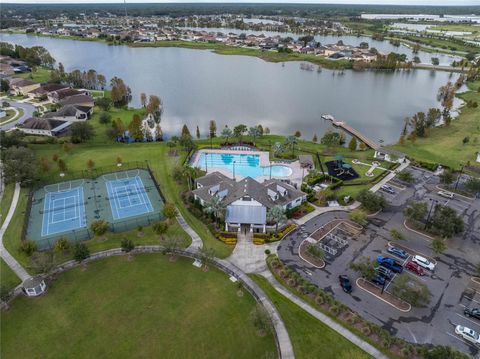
column 32, row 282
column 212, row 179
column 36, row 123
column 68, row 111
column 391, row 152
column 246, row 214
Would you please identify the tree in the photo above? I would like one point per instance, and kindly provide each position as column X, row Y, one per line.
column 362, row 146
column 438, row 246
column 62, row 166
column 406, row 176
column 28, row 247
column 171, row 244
column 396, row 234
column 135, row 128
column 365, row 267
column 353, row 144
column 212, row 129
column 216, row 207
column 102, row 81
column 358, row 216
column 371, row 201
column 80, row 252
column 198, row 133
column 160, row 228
column 104, row 103
column 155, row 107
column 227, row 133
column 315, row 138
column 239, row 131
column 417, row 211
column 442, row 352
column 315, row 251
column 62, row 245
column 473, row 185
column 330, row 139
column 19, row 165
column 127, row 245
column 446, row 95
column 90, row 164
column 4, row 85
column 446, row 222
column 169, row 211
column 297, row 134
column 143, row 99
column 446, row 177
column 277, row 148
column 254, row 133
column 121, row 94
column 207, row 256
column 291, row 141
column 411, row 290
column 81, row 132
column 267, row 130
column 262, row 320
column 100, row 227
column 435, row 61
column 104, row 118
column 276, row 215
column 41, row 262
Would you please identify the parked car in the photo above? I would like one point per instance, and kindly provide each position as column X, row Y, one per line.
column 378, row 280
column 387, row 189
column 385, row 272
column 415, row 268
column 345, row 283
column 390, row 263
column 445, row 194
column 423, row 262
column 472, row 312
column 468, row 334
column 398, row 252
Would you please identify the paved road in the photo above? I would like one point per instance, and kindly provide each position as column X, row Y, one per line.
column 27, row 108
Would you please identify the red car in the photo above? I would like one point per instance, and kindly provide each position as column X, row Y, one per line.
column 415, row 268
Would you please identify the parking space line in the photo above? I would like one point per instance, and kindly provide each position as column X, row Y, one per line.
column 464, row 317
column 463, row 306
column 473, row 300
column 413, row 275
column 462, row 340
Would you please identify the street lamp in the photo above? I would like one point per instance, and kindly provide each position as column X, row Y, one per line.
column 234, row 169
column 458, row 177
column 206, row 168
column 270, row 169
column 434, row 201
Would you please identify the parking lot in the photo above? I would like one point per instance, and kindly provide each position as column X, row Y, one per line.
column 450, row 283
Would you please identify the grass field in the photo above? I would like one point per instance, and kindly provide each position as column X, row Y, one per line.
column 8, row 279
column 6, row 201
column 310, row 337
column 40, row 74
column 145, row 308
column 444, row 145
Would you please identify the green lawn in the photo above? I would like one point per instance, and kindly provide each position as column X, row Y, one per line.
column 40, row 74
column 6, row 201
column 310, row 337
column 444, row 144
column 145, row 308
column 8, row 278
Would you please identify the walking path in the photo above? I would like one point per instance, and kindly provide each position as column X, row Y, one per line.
column 250, row 257
column 7, row 257
column 325, row 319
column 196, row 240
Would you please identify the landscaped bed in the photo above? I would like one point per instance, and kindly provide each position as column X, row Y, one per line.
column 145, row 308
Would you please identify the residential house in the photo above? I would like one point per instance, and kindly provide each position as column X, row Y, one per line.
column 81, row 100
column 247, row 201
column 44, row 90
column 389, row 155
column 58, row 95
column 43, row 127
column 71, row 113
column 21, row 87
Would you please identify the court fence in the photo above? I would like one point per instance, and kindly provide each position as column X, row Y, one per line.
column 82, row 234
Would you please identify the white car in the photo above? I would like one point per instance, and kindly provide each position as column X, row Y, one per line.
column 423, row 262
column 445, row 194
column 468, row 334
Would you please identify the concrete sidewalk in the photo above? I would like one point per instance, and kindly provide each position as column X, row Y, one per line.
column 6, row 256
column 347, row 334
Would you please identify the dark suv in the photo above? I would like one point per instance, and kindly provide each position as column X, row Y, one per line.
column 345, row 283
column 472, row 312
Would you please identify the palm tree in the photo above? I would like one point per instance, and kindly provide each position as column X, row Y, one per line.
column 291, row 141
column 277, row 148
column 216, row 206
column 277, row 216
column 227, row 133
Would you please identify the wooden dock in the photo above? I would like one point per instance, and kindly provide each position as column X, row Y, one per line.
column 352, row 131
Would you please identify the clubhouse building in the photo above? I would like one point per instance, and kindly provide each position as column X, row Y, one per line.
column 247, row 201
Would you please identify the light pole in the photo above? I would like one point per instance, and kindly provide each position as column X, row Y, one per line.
column 234, row 169
column 270, row 169
column 434, row 201
column 206, row 168
column 458, row 178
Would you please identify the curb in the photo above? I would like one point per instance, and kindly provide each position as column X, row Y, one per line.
column 383, row 300
column 302, row 258
column 413, row 230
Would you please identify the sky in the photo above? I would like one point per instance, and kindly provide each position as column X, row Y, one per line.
column 371, row 2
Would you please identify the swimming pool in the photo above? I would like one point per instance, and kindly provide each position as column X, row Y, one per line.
column 245, row 165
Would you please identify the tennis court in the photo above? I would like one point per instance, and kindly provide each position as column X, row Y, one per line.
column 128, row 197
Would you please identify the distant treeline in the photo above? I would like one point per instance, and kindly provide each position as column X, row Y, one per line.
column 47, row 11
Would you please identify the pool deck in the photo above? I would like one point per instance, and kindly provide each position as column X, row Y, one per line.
column 297, row 171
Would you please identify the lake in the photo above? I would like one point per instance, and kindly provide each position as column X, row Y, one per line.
column 198, row 86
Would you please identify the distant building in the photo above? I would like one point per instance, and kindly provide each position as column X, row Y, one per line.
column 21, row 87
column 70, row 113
column 389, row 155
column 44, row 127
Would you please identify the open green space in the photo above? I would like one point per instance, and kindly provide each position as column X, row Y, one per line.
column 444, row 144
column 38, row 74
column 8, row 279
column 149, row 307
column 310, row 337
column 6, row 201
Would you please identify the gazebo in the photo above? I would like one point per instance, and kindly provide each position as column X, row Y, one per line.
column 34, row 286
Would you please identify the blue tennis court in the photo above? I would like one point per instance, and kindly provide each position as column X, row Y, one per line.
column 63, row 211
column 128, row 197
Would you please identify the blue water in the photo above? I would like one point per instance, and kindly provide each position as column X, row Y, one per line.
column 243, row 165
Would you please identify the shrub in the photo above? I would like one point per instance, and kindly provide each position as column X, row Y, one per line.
column 160, row 228
column 358, row 216
column 371, row 201
column 28, row 247
column 80, row 252
column 99, row 227
column 267, row 251
column 127, row 245
column 62, row 245
column 396, row 235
